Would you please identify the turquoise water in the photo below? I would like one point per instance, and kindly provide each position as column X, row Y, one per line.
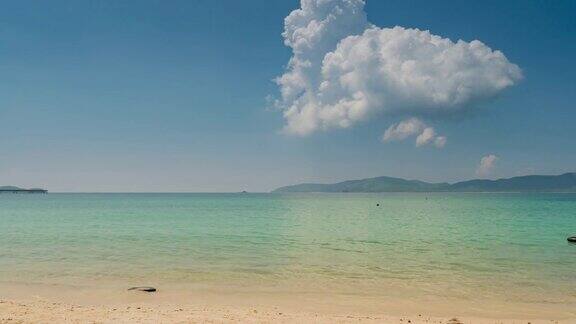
column 494, row 246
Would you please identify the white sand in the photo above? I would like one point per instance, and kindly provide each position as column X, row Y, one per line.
column 34, row 303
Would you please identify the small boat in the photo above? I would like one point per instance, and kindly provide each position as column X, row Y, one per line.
column 571, row 239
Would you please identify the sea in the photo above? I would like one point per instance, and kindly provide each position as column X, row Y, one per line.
column 471, row 246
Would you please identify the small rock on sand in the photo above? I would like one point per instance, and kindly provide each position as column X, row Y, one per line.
column 145, row 289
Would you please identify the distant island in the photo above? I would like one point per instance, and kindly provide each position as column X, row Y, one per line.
column 532, row 183
column 12, row 189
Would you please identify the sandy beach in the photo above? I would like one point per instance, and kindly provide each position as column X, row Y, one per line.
column 43, row 311
column 48, row 312
column 26, row 303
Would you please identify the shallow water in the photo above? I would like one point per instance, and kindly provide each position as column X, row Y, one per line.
column 468, row 246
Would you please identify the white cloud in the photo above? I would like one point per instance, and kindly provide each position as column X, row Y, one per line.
column 312, row 31
column 426, row 137
column 403, row 130
column 440, row 141
column 344, row 71
column 487, row 165
column 414, row 127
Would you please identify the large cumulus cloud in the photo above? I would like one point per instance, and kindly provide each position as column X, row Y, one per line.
column 312, row 31
column 345, row 70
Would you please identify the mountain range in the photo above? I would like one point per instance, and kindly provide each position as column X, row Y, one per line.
column 14, row 189
column 533, row 183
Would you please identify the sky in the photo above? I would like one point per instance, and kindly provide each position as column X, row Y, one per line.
column 225, row 96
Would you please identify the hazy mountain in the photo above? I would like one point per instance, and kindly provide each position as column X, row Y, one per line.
column 535, row 183
column 380, row 184
column 15, row 189
column 9, row 188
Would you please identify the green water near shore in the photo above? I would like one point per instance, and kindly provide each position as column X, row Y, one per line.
column 472, row 246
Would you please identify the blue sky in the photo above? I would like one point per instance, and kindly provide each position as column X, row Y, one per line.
column 172, row 96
